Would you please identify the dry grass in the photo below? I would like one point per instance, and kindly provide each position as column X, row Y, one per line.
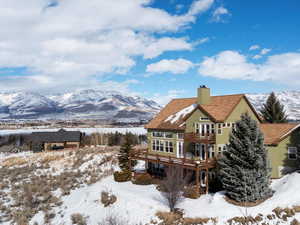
column 14, row 161
column 51, row 157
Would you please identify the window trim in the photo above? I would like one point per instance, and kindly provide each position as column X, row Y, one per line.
column 294, row 153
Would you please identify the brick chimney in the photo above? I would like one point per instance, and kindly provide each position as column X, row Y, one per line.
column 203, row 97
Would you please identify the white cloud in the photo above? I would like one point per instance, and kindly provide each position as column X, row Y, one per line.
column 257, row 56
column 265, row 51
column 254, row 47
column 281, row 68
column 218, row 14
column 177, row 66
column 164, row 99
column 79, row 40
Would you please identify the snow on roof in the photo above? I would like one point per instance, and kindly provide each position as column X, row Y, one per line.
column 182, row 113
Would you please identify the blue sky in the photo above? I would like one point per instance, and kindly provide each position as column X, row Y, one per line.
column 157, row 49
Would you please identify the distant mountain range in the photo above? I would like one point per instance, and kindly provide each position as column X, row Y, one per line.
column 107, row 106
column 290, row 100
column 84, row 104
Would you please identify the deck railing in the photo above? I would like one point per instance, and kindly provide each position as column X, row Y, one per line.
column 194, row 137
column 171, row 160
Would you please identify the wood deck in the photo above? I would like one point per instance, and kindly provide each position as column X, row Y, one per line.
column 173, row 161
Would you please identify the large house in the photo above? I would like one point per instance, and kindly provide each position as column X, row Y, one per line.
column 193, row 132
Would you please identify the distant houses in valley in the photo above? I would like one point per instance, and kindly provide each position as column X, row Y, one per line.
column 61, row 139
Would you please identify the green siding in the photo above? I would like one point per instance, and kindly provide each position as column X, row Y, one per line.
column 278, row 155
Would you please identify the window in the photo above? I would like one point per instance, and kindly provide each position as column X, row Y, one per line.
column 204, row 118
column 233, row 125
column 169, row 135
column 221, row 148
column 157, row 134
column 292, row 153
column 224, row 124
column 202, row 130
column 161, row 146
column 211, row 151
column 169, row 146
column 180, row 135
column 228, row 124
column 155, row 145
column 180, row 149
column 197, row 128
column 202, row 153
column 219, row 131
column 212, row 128
column 197, row 149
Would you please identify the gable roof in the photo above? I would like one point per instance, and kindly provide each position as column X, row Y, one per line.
column 274, row 133
column 218, row 110
column 58, row 136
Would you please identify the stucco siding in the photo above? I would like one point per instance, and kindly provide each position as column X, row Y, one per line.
column 278, row 156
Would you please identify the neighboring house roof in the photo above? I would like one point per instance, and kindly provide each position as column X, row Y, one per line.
column 58, row 136
column 274, row 133
column 174, row 114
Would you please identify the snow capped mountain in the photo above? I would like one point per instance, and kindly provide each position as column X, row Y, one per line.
column 84, row 104
column 109, row 106
column 290, row 100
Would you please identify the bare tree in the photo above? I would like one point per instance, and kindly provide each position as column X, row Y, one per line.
column 114, row 219
column 172, row 186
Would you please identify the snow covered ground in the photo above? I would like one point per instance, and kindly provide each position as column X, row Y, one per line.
column 134, row 130
column 140, row 203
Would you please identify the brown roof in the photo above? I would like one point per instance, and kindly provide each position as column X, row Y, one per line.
column 218, row 110
column 274, row 133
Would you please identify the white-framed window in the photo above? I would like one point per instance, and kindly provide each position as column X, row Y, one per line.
column 233, row 125
column 211, row 151
column 224, row 125
column 221, row 148
column 219, row 129
column 168, row 135
column 197, row 149
column 204, row 128
column 197, row 128
column 292, row 153
column 169, row 146
column 156, row 145
column 180, row 153
column 157, row 134
column 228, row 124
column 180, row 135
column 161, row 145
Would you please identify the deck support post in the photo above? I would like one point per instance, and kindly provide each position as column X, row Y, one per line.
column 206, row 181
column 197, row 178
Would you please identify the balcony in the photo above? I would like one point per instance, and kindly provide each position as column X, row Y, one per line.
column 197, row 138
column 188, row 163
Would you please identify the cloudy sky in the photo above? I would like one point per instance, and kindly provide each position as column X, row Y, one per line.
column 158, row 49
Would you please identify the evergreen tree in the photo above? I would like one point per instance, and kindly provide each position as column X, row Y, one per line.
column 273, row 111
column 243, row 167
column 124, row 153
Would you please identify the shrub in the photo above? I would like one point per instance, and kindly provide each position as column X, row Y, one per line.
column 78, row 219
column 143, row 179
column 107, row 198
column 191, row 192
column 122, row 176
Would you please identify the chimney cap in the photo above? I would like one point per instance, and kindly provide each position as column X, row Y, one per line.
column 203, row 86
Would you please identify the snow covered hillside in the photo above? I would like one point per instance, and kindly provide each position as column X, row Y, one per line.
column 67, row 183
column 290, row 100
column 83, row 104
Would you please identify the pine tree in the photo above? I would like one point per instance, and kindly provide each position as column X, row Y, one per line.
column 243, row 167
column 124, row 153
column 273, row 111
